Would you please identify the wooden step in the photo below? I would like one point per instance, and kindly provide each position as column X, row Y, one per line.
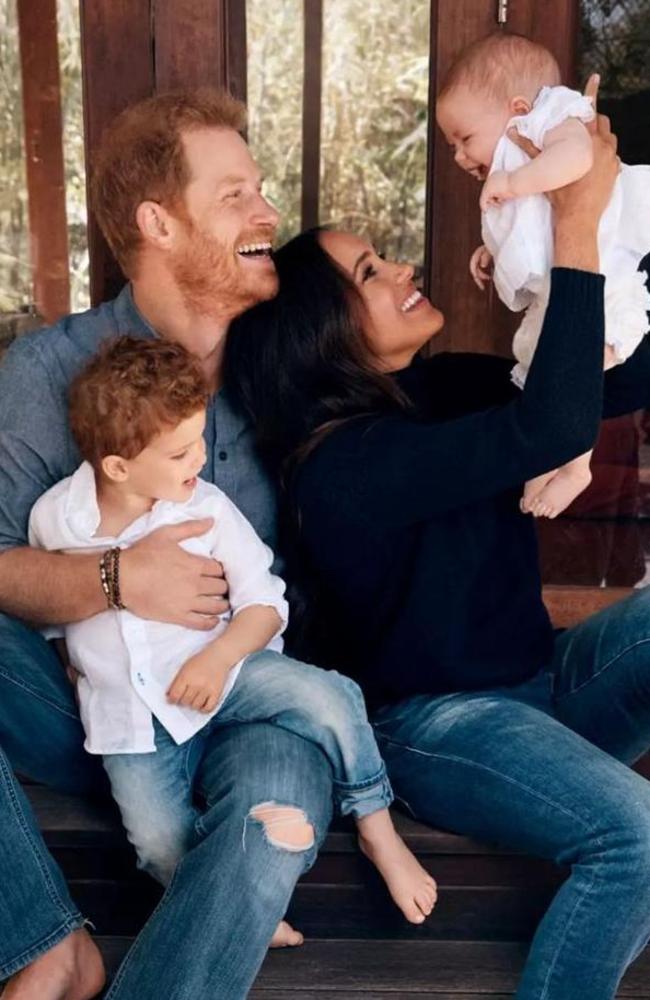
column 338, row 969
column 485, row 893
column 340, row 911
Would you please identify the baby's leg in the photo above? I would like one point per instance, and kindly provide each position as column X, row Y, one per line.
column 328, row 709
column 561, row 489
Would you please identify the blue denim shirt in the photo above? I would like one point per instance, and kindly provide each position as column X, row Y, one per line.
column 37, row 448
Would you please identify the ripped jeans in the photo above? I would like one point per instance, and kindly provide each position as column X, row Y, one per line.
column 243, row 766
column 155, row 791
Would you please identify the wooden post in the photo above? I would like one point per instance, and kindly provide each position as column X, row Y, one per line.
column 134, row 48
column 39, row 58
column 311, row 112
column 117, row 59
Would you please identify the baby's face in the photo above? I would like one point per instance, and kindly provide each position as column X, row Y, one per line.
column 472, row 124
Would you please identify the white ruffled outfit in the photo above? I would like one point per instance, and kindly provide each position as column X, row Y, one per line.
column 519, row 236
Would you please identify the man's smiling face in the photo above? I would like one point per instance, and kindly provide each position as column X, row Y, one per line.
column 222, row 259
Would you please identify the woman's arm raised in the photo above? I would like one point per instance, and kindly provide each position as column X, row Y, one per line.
column 400, row 471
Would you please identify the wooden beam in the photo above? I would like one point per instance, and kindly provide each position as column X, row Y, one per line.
column 311, row 112
column 568, row 606
column 189, row 43
column 236, row 52
column 117, row 58
column 39, row 59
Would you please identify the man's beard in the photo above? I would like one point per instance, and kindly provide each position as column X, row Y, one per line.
column 210, row 281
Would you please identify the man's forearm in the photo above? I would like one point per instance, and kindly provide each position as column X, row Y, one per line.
column 49, row 589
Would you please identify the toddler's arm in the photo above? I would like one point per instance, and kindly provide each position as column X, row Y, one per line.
column 567, row 155
column 257, row 600
column 200, row 681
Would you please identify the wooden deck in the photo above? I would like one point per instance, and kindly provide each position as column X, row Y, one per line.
column 358, row 945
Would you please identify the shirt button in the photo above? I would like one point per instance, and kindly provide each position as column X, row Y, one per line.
column 140, row 678
column 223, row 455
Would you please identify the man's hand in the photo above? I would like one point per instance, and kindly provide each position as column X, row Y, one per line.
column 162, row 582
column 480, row 266
column 200, row 682
column 496, row 190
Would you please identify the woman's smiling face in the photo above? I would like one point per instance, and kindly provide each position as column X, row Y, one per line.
column 398, row 320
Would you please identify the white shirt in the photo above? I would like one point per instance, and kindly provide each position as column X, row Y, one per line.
column 519, row 235
column 128, row 663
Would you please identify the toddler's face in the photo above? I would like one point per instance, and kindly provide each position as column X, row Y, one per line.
column 472, row 124
column 167, row 468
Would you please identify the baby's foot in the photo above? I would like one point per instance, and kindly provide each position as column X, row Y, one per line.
column 560, row 491
column 532, row 490
column 410, row 885
column 285, row 936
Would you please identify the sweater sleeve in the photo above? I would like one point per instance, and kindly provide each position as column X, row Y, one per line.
column 399, row 471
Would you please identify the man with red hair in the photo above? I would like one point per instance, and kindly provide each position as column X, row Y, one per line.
column 179, row 200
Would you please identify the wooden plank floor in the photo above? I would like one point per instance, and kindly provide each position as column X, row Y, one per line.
column 320, row 970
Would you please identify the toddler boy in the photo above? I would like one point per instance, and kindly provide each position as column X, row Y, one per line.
column 150, row 691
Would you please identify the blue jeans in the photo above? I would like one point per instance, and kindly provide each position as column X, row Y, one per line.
column 541, row 768
column 155, row 791
column 242, row 766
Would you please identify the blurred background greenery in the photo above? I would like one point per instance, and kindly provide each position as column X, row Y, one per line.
column 374, row 118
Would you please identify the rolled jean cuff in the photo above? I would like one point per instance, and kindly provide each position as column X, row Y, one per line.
column 73, row 922
column 365, row 797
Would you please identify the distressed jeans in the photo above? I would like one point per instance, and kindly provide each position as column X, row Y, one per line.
column 204, row 939
column 155, row 791
column 542, row 768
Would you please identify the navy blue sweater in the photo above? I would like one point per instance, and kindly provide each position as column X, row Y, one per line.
column 428, row 572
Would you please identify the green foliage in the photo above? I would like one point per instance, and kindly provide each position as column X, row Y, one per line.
column 374, row 118
column 374, row 115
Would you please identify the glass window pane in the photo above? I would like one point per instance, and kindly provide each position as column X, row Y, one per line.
column 73, row 150
column 15, row 268
column 375, row 90
column 275, row 78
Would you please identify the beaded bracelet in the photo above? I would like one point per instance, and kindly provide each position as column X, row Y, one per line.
column 109, row 574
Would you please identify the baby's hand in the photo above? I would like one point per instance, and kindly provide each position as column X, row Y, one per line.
column 496, row 190
column 480, row 266
column 199, row 683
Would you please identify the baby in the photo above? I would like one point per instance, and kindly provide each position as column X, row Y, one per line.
column 149, row 692
column 507, row 82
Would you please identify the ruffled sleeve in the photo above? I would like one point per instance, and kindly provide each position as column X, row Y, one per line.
column 552, row 107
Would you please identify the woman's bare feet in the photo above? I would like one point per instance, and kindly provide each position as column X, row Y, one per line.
column 285, row 936
column 72, row 970
column 410, row 885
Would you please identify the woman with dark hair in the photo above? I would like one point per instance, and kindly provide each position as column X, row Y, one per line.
column 401, row 481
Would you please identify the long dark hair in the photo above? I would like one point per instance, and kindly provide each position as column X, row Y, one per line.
column 299, row 364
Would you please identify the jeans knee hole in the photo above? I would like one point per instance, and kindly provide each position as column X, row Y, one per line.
column 285, row 827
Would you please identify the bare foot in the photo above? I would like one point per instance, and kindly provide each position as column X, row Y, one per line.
column 285, row 936
column 532, row 490
column 71, row 970
column 410, row 885
column 567, row 483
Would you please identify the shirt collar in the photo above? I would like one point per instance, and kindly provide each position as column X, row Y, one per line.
column 128, row 317
column 81, row 509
